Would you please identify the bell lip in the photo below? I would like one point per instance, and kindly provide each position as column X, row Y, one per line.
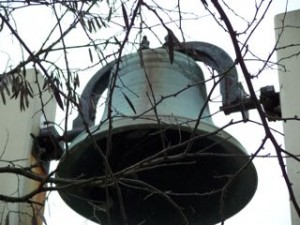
column 123, row 124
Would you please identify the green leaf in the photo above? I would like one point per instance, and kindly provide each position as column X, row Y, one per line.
column 129, row 103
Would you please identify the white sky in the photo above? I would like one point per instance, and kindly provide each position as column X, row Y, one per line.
column 270, row 205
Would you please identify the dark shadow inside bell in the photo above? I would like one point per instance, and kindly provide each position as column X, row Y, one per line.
column 190, row 183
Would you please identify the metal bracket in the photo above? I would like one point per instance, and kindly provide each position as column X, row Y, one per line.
column 90, row 96
column 271, row 102
column 233, row 95
column 48, row 147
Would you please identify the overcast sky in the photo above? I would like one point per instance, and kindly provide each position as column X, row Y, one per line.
column 270, row 205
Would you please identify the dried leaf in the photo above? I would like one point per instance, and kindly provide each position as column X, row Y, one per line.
column 24, row 71
column 15, row 90
column 125, row 16
column 91, row 55
column 26, row 101
column 97, row 22
column 171, row 53
column 6, row 88
column 117, row 41
column 93, row 25
column 106, row 43
column 22, row 106
column 75, row 5
column 45, row 85
column 1, row 25
column 89, row 26
column 103, row 22
column 3, row 98
column 58, row 98
column 29, row 89
column 82, row 22
column 129, row 103
column 171, row 45
column 76, row 81
column 109, row 14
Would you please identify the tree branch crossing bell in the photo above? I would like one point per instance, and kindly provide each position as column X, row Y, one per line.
column 156, row 157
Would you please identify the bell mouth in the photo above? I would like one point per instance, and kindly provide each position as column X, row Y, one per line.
column 162, row 176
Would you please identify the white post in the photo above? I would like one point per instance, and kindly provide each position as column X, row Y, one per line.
column 16, row 146
column 287, row 27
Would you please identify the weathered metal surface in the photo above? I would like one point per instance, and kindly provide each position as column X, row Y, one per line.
column 156, row 108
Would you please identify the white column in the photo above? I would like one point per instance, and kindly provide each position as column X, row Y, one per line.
column 287, row 28
column 15, row 150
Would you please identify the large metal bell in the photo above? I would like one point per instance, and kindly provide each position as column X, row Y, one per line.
column 157, row 158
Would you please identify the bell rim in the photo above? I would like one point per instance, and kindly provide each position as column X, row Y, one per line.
column 123, row 124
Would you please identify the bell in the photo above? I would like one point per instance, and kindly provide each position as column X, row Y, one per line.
column 156, row 158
